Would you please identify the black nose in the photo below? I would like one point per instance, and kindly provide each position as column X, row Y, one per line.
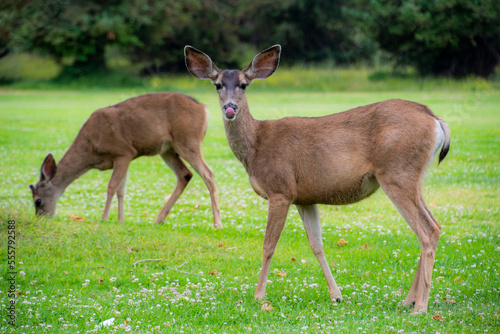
column 230, row 105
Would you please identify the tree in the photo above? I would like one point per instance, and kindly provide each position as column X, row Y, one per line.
column 439, row 37
column 308, row 30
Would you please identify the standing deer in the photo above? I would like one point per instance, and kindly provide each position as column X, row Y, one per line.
column 337, row 159
column 169, row 124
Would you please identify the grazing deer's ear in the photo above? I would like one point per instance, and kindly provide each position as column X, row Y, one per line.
column 49, row 168
column 32, row 190
column 264, row 64
column 199, row 64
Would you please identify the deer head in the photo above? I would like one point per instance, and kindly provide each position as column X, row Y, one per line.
column 45, row 193
column 231, row 84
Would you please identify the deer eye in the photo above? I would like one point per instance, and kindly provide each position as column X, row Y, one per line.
column 218, row 86
column 243, row 86
column 38, row 202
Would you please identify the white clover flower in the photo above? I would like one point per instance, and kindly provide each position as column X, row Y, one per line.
column 112, row 279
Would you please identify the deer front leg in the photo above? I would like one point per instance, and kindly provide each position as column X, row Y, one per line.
column 120, row 194
column 310, row 217
column 278, row 210
column 120, row 167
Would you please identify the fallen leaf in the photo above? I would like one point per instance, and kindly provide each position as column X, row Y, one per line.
column 364, row 247
column 76, row 218
column 220, row 245
column 433, row 205
column 333, row 265
column 457, row 278
column 213, row 272
column 367, row 273
column 144, row 214
column 293, row 259
column 267, row 307
column 437, row 317
column 197, row 206
column 451, row 302
column 65, row 272
column 281, row 273
column 100, row 281
column 342, row 242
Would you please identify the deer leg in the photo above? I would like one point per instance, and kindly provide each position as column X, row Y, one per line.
column 195, row 158
column 310, row 217
column 120, row 194
column 407, row 198
column 183, row 175
column 276, row 217
column 120, row 167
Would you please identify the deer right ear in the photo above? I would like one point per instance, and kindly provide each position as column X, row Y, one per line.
column 49, row 168
column 32, row 190
column 199, row 64
column 264, row 64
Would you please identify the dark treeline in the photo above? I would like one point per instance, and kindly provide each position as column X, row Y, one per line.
column 438, row 37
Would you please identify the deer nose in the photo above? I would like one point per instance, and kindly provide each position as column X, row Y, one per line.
column 230, row 111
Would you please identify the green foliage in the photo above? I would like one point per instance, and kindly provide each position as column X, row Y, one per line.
column 440, row 37
column 72, row 275
column 24, row 66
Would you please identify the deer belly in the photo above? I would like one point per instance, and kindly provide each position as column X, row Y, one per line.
column 339, row 192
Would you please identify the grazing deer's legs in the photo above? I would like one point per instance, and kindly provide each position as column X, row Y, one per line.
column 278, row 210
column 120, row 167
column 408, row 199
column 120, row 194
column 183, row 175
column 310, row 217
column 195, row 158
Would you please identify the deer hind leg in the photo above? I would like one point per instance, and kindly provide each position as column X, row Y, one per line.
column 195, row 159
column 120, row 167
column 408, row 199
column 276, row 218
column 310, row 217
column 183, row 175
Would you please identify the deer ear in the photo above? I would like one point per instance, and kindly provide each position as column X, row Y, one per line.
column 199, row 64
column 264, row 64
column 32, row 190
column 49, row 168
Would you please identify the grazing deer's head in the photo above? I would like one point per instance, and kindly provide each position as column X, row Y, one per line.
column 231, row 84
column 45, row 194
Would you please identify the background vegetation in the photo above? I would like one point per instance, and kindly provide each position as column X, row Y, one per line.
column 446, row 38
column 60, row 60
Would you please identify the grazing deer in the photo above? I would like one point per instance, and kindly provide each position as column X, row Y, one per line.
column 337, row 159
column 169, row 124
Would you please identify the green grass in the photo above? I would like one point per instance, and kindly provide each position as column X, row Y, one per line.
column 74, row 275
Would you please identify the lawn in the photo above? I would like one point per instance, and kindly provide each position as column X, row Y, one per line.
column 75, row 271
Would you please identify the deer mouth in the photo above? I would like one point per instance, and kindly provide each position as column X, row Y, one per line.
column 230, row 114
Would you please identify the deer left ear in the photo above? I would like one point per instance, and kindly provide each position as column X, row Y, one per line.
column 199, row 64
column 264, row 64
column 49, row 168
column 32, row 190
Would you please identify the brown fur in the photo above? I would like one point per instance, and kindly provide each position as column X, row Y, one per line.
column 337, row 159
column 168, row 124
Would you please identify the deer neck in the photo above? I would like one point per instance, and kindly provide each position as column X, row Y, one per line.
column 241, row 134
column 72, row 165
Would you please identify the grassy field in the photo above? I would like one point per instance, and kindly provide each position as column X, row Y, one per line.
column 73, row 274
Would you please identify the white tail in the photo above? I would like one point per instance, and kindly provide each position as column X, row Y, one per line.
column 337, row 159
column 169, row 124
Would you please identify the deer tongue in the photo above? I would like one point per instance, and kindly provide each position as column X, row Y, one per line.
column 230, row 113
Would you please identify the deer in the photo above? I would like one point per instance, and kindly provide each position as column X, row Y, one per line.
column 171, row 125
column 337, row 159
